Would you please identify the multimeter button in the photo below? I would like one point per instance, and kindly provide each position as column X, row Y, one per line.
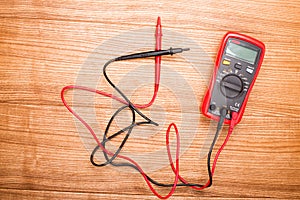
column 238, row 66
column 250, row 71
column 226, row 62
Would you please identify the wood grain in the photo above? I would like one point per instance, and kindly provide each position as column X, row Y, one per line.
column 44, row 46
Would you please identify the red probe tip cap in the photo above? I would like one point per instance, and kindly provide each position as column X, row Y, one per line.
column 158, row 21
column 158, row 31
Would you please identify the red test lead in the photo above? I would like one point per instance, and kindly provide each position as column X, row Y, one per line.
column 158, row 41
column 237, row 66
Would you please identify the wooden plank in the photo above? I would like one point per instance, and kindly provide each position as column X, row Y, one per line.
column 45, row 45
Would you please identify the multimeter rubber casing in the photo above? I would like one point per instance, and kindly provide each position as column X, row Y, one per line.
column 236, row 68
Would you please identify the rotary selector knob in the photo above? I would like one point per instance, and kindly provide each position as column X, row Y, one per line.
column 231, row 86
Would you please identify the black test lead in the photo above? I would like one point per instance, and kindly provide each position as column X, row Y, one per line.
column 224, row 113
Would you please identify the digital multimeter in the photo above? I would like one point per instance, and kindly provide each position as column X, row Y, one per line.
column 236, row 68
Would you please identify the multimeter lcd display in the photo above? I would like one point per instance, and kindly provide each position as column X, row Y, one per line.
column 241, row 52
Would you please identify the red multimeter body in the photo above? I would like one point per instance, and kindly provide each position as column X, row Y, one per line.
column 237, row 65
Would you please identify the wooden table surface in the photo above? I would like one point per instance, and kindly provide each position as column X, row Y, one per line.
column 45, row 45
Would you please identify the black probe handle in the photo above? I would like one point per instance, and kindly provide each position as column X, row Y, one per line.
column 170, row 51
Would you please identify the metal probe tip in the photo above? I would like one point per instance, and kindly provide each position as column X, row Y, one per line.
column 186, row 49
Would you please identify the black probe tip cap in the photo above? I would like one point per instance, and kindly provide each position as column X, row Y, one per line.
column 223, row 112
column 177, row 50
